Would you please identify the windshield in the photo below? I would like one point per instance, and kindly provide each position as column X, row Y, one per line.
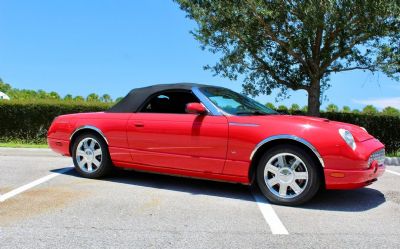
column 234, row 103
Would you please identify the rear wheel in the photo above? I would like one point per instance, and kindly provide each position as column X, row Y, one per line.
column 90, row 156
column 287, row 175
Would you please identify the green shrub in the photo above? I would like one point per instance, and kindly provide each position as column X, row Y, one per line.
column 29, row 121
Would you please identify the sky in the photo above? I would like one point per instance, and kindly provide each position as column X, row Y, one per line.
column 104, row 46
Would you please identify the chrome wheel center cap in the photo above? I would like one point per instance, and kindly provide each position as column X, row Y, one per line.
column 285, row 175
column 89, row 155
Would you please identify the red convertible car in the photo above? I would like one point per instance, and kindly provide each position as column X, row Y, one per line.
column 214, row 133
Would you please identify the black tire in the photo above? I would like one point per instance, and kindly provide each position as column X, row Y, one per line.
column 105, row 166
column 309, row 187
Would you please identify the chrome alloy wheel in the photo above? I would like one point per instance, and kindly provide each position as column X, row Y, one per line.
column 89, row 155
column 286, row 175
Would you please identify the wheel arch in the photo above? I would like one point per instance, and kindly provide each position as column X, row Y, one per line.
column 270, row 142
column 85, row 129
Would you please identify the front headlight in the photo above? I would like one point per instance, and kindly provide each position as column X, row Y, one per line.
column 348, row 138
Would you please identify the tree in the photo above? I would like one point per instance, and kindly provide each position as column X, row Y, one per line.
column 54, row 95
column 282, row 108
column 391, row 111
column 79, row 98
column 294, row 107
column 106, row 98
column 92, row 97
column 356, row 111
column 332, row 108
column 4, row 87
column 304, row 109
column 118, row 99
column 346, row 109
column 41, row 94
column 370, row 109
column 68, row 97
column 270, row 106
column 297, row 44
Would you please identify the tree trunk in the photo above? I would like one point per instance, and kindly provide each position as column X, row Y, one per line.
column 314, row 93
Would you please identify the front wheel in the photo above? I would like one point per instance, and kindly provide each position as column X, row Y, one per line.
column 90, row 156
column 287, row 175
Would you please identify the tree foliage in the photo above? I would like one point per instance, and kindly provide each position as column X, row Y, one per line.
column 68, row 97
column 270, row 106
column 106, row 98
column 4, row 87
column 294, row 107
column 391, row 111
column 297, row 44
column 32, row 95
column 282, row 108
column 370, row 109
column 332, row 108
column 346, row 109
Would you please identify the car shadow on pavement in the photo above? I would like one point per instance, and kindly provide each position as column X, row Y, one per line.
column 176, row 183
column 331, row 200
column 356, row 200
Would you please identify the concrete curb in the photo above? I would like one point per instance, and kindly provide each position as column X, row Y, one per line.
column 392, row 161
column 31, row 152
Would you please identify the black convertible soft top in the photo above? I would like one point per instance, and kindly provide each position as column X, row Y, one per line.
column 136, row 97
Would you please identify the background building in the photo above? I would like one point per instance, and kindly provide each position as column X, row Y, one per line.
column 4, row 96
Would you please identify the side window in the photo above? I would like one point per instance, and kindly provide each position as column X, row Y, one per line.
column 169, row 102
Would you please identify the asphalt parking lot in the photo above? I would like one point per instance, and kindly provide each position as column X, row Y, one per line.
column 45, row 204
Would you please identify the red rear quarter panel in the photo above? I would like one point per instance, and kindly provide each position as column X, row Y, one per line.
column 112, row 125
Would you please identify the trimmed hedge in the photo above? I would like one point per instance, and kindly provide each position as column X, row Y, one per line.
column 29, row 121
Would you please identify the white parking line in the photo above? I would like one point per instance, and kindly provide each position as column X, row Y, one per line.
column 393, row 172
column 32, row 184
column 270, row 216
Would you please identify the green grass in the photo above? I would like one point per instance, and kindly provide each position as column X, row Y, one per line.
column 23, row 145
column 393, row 154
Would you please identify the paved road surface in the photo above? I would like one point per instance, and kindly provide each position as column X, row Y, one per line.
column 40, row 208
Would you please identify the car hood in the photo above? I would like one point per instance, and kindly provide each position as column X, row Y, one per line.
column 359, row 133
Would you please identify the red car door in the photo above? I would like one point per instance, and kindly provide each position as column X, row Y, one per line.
column 178, row 140
column 183, row 141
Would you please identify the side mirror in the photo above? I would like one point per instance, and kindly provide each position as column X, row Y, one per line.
column 195, row 108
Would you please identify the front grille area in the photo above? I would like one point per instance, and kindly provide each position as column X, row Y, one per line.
column 378, row 156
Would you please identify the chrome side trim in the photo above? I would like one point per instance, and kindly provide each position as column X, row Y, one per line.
column 89, row 127
column 243, row 124
column 291, row 137
column 215, row 111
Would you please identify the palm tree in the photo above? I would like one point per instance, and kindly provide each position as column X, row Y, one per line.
column 270, row 106
column 92, row 97
column 332, row 108
column 54, row 95
column 294, row 107
column 79, row 98
column 370, row 109
column 106, row 98
column 68, row 97
column 346, row 109
column 391, row 111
